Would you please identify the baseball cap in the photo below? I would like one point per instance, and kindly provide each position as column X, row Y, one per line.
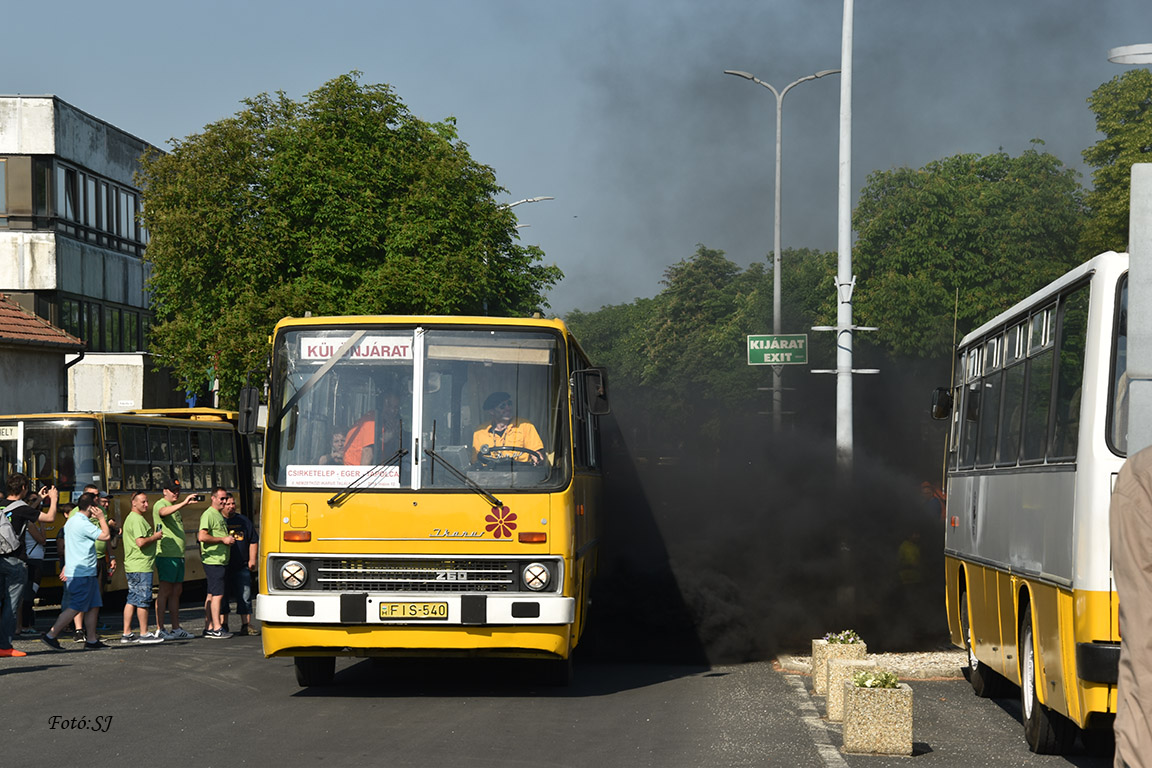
column 495, row 399
column 172, row 485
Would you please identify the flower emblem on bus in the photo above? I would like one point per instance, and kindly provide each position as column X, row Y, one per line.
column 501, row 522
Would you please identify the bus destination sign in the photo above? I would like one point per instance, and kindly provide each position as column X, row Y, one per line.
column 778, row 349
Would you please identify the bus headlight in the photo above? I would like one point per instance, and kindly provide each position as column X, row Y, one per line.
column 293, row 574
column 536, row 576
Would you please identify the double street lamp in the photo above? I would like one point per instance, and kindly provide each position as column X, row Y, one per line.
column 776, row 258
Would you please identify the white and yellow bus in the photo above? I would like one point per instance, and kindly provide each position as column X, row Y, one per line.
column 121, row 453
column 1039, row 431
column 398, row 520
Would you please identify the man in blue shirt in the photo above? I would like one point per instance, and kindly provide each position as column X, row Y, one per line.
column 80, row 538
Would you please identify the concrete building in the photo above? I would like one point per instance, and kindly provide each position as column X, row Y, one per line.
column 71, row 247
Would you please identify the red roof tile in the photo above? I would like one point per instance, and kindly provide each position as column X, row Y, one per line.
column 18, row 326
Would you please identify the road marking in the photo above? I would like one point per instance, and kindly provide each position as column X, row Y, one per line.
column 816, row 728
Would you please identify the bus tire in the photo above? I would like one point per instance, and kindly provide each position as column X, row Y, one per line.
column 986, row 682
column 1047, row 732
column 315, row 670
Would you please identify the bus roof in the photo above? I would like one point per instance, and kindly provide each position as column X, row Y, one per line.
column 1108, row 259
column 357, row 320
column 184, row 414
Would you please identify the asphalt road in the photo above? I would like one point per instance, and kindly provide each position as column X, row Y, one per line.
column 220, row 703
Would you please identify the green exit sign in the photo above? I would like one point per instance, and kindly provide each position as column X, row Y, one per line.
column 778, row 349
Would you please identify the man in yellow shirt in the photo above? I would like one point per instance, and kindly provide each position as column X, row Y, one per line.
column 504, row 431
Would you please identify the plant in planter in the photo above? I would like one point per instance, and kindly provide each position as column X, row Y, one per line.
column 845, row 644
column 877, row 714
column 839, row 671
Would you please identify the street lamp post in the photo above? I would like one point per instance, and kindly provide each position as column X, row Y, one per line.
column 776, row 257
column 527, row 200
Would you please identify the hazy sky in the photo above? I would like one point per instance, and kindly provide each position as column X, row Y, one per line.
column 617, row 108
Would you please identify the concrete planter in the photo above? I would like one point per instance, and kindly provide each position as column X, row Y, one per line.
column 822, row 650
column 878, row 721
column 839, row 672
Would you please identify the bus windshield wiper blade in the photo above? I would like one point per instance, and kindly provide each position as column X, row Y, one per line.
column 361, row 482
column 475, row 486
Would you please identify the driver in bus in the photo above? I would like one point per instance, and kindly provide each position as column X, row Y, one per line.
column 361, row 438
column 504, row 430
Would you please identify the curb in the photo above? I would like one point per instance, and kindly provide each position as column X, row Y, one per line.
column 937, row 665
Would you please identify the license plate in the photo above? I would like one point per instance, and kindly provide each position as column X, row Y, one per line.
column 421, row 611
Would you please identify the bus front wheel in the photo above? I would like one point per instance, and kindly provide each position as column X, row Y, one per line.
column 1047, row 732
column 986, row 682
column 314, row 670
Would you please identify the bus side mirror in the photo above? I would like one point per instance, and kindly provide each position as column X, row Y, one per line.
column 941, row 403
column 596, row 390
column 249, row 411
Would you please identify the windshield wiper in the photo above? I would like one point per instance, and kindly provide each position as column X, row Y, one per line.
column 360, row 483
column 475, row 486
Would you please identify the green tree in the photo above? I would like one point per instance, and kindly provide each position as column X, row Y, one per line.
column 343, row 203
column 995, row 228
column 1123, row 108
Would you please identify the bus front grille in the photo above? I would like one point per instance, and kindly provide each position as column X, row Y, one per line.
column 401, row 575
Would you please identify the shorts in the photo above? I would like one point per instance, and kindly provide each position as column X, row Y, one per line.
column 214, row 577
column 139, row 588
column 84, row 593
column 170, row 569
column 238, row 589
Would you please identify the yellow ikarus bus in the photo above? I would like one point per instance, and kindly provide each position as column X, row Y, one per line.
column 431, row 488
column 1039, row 412
column 121, row 453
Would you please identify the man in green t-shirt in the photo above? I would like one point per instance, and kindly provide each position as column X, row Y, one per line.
column 167, row 519
column 215, row 548
column 139, row 557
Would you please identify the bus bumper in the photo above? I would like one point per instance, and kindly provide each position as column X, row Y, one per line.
column 409, row 641
column 378, row 609
column 1098, row 662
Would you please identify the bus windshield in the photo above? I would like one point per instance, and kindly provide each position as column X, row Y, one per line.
column 487, row 403
column 60, row 452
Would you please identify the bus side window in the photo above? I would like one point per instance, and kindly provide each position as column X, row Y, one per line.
column 134, row 451
column 1118, row 393
column 1038, row 395
column 181, row 465
column 158, row 456
column 1070, row 373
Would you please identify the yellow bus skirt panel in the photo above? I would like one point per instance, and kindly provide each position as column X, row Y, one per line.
column 546, row 641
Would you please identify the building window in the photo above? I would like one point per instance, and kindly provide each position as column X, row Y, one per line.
column 131, row 331
column 112, row 329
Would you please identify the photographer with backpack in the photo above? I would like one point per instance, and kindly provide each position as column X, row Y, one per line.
column 13, row 560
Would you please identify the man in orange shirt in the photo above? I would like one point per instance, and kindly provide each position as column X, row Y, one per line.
column 504, row 431
column 359, row 441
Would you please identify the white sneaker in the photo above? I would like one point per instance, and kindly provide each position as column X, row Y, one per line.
column 129, row 639
column 150, row 638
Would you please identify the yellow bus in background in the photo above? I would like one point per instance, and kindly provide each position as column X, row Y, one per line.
column 1039, row 412
column 394, row 523
column 121, row 453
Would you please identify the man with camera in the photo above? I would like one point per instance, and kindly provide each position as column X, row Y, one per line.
column 170, row 558
column 13, row 560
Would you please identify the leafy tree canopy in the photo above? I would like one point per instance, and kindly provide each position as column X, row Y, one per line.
column 343, row 203
column 995, row 228
column 1123, row 108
